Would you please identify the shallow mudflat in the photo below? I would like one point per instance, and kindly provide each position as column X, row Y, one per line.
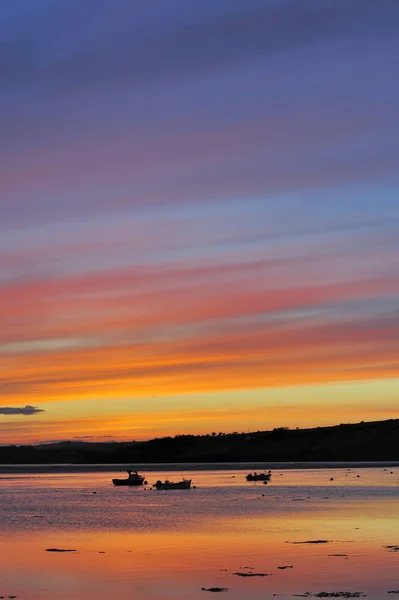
column 244, row 540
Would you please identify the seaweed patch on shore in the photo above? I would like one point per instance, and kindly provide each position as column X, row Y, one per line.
column 59, row 550
column 340, row 595
column 331, row 595
column 310, row 542
column 241, row 574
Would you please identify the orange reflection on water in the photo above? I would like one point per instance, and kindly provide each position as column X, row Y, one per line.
column 157, row 565
column 137, row 543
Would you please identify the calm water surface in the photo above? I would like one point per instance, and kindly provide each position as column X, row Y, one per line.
column 150, row 545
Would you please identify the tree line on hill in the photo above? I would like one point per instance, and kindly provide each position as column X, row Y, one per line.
column 365, row 441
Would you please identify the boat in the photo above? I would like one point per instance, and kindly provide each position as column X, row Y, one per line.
column 259, row 476
column 184, row 484
column 133, row 479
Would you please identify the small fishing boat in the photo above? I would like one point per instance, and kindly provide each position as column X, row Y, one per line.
column 184, row 484
column 259, row 476
column 133, row 479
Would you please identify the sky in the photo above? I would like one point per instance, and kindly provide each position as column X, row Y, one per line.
column 199, row 216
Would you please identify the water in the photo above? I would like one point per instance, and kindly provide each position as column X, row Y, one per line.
column 147, row 544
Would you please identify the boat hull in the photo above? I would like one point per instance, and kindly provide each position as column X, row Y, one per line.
column 260, row 477
column 129, row 482
column 170, row 485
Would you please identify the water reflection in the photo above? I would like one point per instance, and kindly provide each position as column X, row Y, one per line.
column 137, row 543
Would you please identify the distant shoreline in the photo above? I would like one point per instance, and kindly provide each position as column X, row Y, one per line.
column 224, row 466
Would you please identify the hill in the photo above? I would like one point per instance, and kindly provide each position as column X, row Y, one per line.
column 378, row 440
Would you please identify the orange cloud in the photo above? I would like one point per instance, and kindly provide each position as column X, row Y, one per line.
column 139, row 332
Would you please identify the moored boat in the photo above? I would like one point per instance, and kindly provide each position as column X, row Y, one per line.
column 259, row 476
column 133, row 479
column 184, row 484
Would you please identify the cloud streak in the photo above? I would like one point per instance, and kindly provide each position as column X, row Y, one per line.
column 296, row 118
column 196, row 198
column 179, row 40
column 25, row 410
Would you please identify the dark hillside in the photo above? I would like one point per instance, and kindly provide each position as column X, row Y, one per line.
column 378, row 440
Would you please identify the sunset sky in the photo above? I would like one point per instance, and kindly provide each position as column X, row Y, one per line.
column 199, row 216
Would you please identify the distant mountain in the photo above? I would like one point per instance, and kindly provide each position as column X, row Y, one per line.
column 378, row 440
